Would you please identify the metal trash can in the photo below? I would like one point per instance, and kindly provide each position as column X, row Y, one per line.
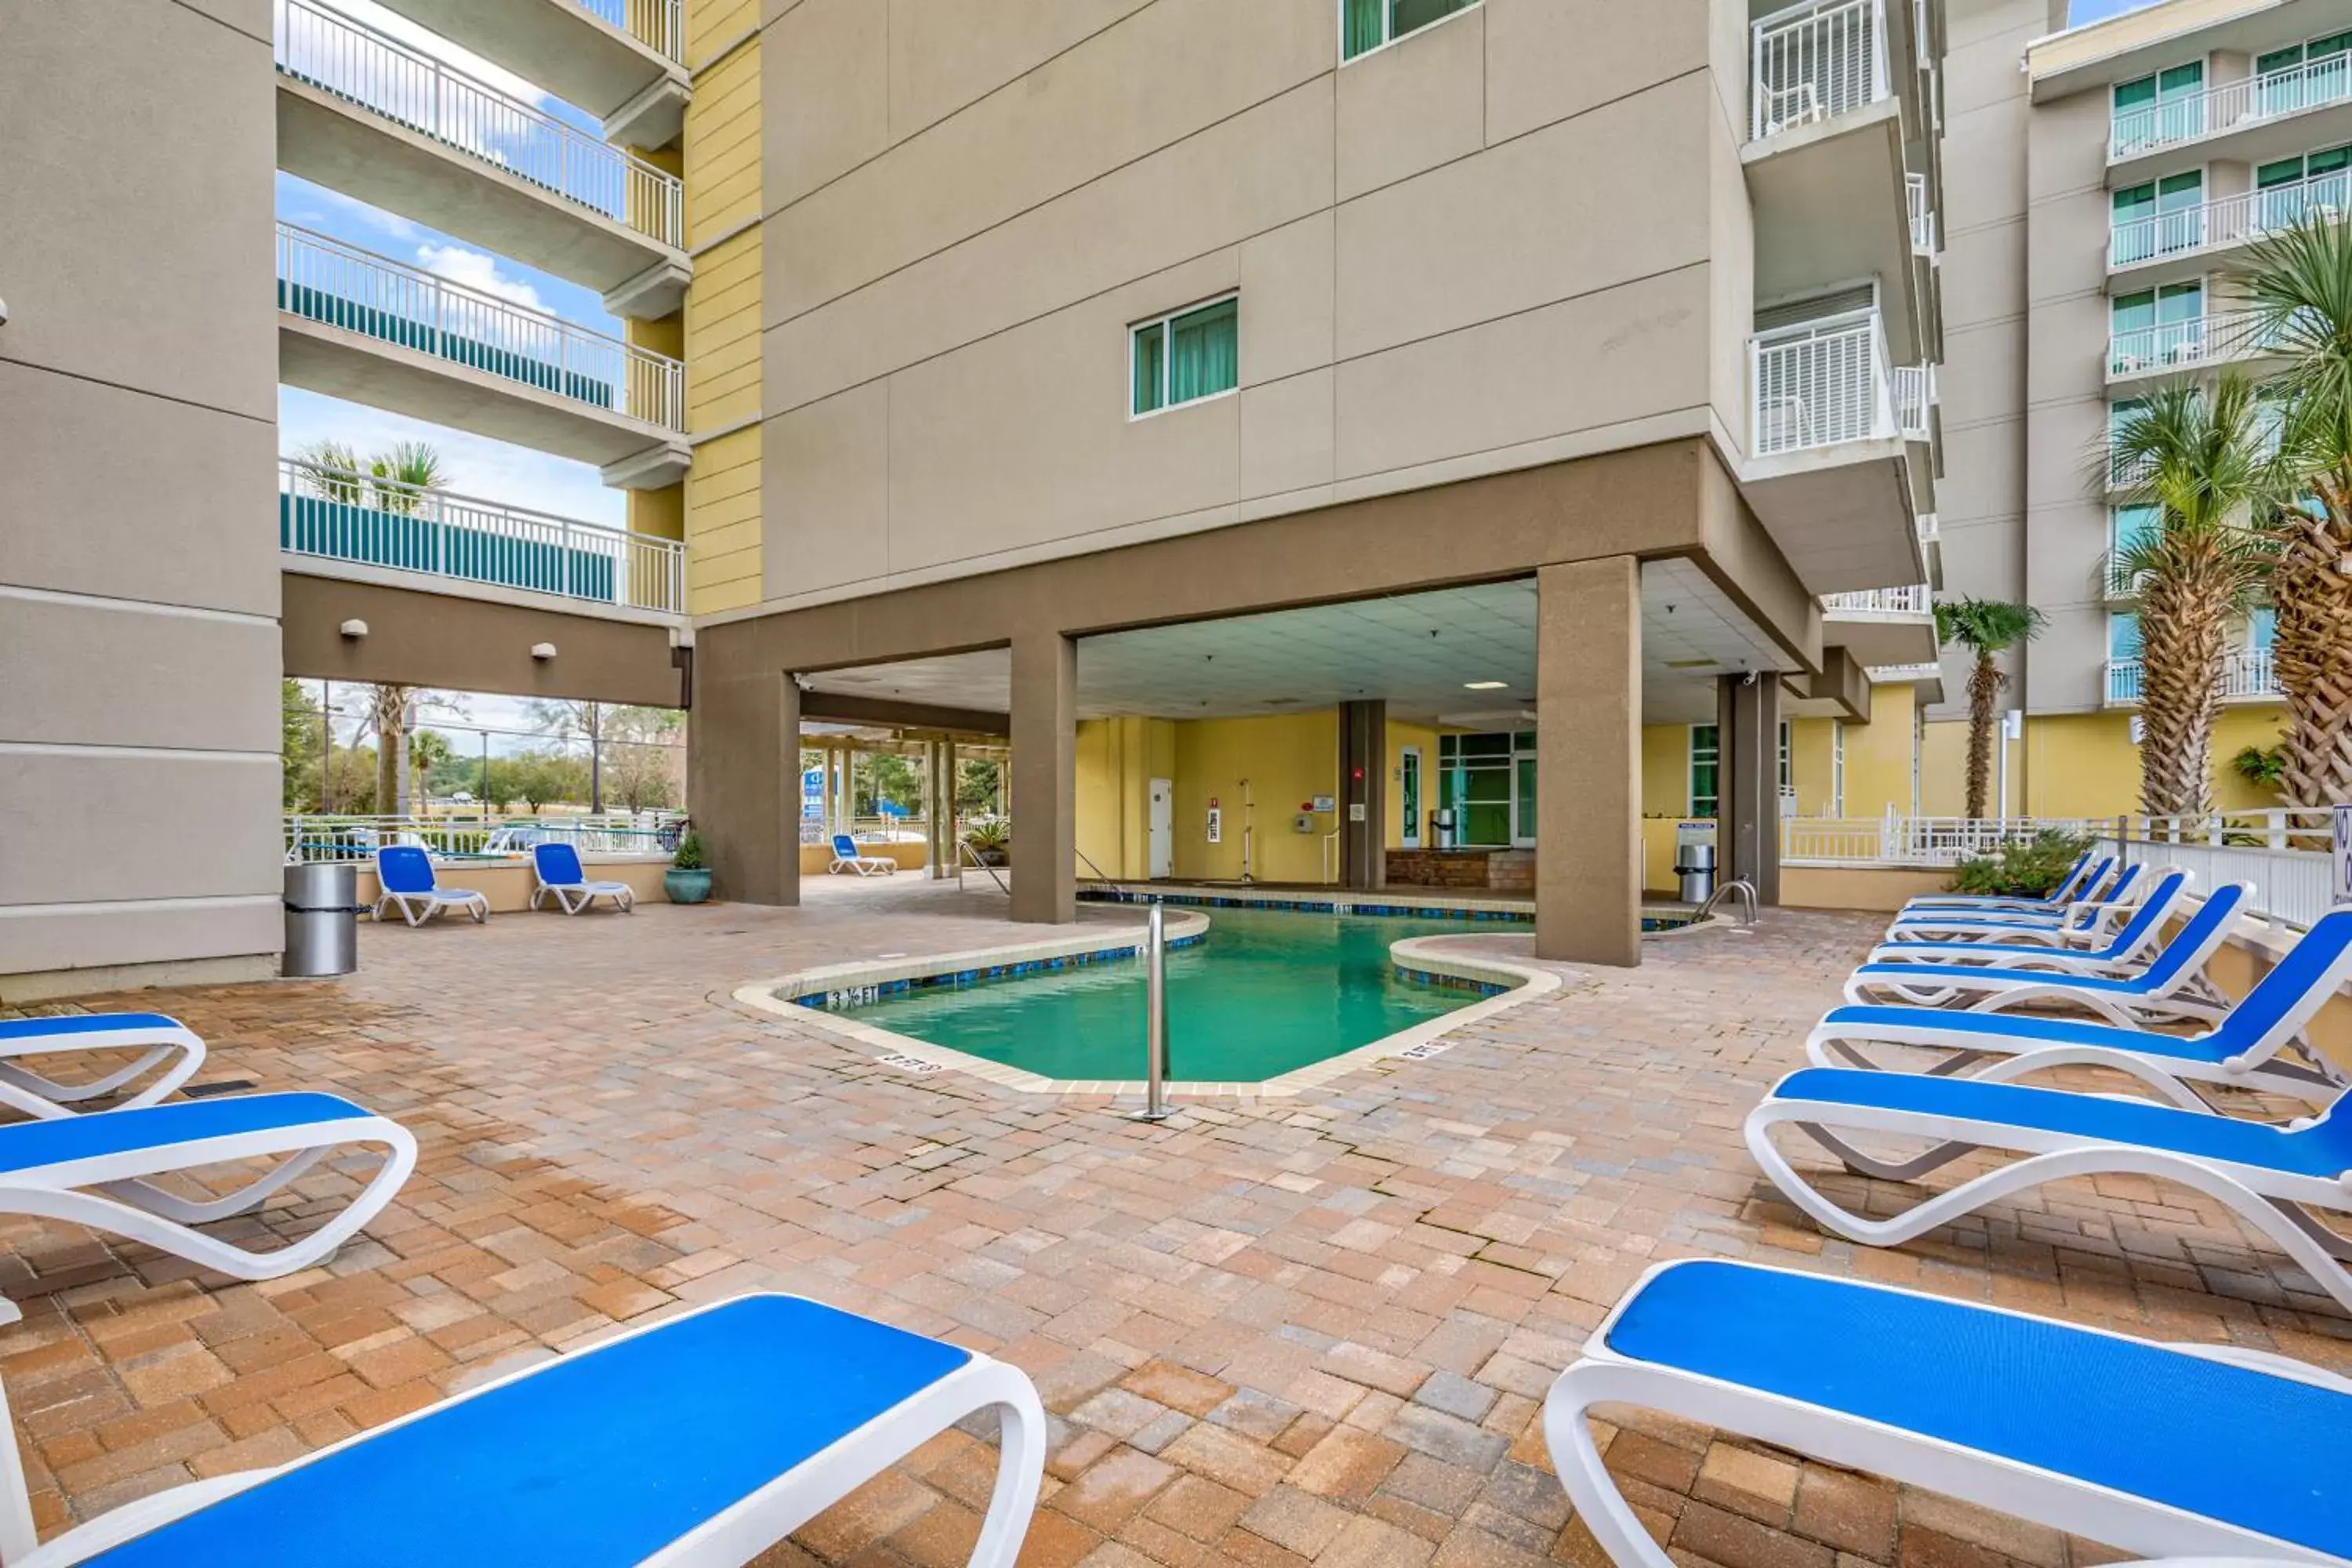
column 322, row 928
column 1696, row 866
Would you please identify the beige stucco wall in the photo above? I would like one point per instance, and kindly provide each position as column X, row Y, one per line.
column 507, row 885
column 138, row 597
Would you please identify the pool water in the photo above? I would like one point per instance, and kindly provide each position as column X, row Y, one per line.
column 1267, row 992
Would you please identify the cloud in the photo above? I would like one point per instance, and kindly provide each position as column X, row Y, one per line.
column 426, row 41
column 478, row 466
column 477, row 270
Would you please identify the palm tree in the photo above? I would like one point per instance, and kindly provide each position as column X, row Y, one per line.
column 1987, row 629
column 2205, row 466
column 335, row 470
column 401, row 473
column 2298, row 285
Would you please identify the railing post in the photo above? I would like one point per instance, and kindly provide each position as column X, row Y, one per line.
column 1155, row 1017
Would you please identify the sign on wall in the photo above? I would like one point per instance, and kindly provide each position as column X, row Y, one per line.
column 2344, row 854
column 813, row 794
column 1216, row 825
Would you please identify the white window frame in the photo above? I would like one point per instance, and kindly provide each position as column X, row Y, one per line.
column 1388, row 15
column 1167, row 361
column 1690, row 772
column 1837, row 768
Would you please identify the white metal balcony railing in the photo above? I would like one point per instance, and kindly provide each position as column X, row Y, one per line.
column 336, row 515
column 1887, row 674
column 1821, row 383
column 2172, row 345
column 1915, row 396
column 1814, row 62
column 338, row 285
column 1923, row 217
column 1914, row 600
column 353, row 62
column 2229, row 106
column 659, row 24
column 2248, row 675
column 2227, row 220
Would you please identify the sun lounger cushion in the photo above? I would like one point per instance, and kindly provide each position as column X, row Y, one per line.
column 31, row 1145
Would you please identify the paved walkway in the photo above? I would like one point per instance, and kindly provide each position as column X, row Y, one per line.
column 1314, row 1331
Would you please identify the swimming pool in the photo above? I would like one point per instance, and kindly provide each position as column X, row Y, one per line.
column 1268, row 992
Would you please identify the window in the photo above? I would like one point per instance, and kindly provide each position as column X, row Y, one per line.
column 2123, row 635
column 1837, row 768
column 1788, row 773
column 2130, row 525
column 2287, row 188
column 2155, row 110
column 2261, row 629
column 2118, row 416
column 2156, row 326
column 1489, row 783
column 1706, row 770
column 1367, row 24
column 2301, row 75
column 2157, row 218
column 1186, row 357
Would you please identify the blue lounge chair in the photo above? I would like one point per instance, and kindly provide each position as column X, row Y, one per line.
column 2272, row 1176
column 2164, row 1451
column 2090, row 871
column 405, row 878
column 2173, row 987
column 2246, row 1050
column 96, row 1170
column 2079, row 953
column 702, row 1440
column 2083, row 921
column 847, row 857
column 159, row 1039
column 557, row 867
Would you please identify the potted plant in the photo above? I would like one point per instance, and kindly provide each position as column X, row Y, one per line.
column 990, row 838
column 687, row 880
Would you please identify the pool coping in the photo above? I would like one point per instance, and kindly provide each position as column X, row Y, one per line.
column 1424, row 903
column 1417, row 956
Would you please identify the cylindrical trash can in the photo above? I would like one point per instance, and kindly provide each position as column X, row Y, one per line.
column 322, row 928
column 1695, row 867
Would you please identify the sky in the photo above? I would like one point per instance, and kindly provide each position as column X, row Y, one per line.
column 2082, row 11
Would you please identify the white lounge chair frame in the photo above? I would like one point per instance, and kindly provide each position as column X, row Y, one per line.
column 2078, row 953
column 2082, row 924
column 2159, row 1531
column 586, row 891
column 725, row 1540
column 863, row 865
column 165, row 1040
column 418, row 908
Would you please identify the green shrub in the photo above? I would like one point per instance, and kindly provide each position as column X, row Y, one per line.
column 2029, row 868
column 689, row 853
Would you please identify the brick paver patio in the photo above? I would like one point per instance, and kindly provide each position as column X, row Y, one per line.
column 1316, row 1330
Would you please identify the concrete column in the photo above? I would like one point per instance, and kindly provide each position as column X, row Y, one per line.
column 1363, row 794
column 1589, row 762
column 743, row 759
column 1747, row 822
column 950, row 841
column 844, row 799
column 1044, row 779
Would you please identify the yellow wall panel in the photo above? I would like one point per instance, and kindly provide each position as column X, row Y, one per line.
column 710, row 22
column 1424, row 740
column 1878, row 754
column 660, row 512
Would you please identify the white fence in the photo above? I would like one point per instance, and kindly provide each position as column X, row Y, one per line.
column 353, row 62
column 1820, row 384
column 1897, row 839
column 1923, row 216
column 2248, row 675
column 1911, row 601
column 338, row 285
column 2172, row 345
column 659, row 24
column 2229, row 106
column 1814, row 62
column 317, row 835
column 340, row 516
column 1915, row 397
column 2227, row 220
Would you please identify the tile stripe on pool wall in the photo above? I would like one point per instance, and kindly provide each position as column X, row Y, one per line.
column 949, row 980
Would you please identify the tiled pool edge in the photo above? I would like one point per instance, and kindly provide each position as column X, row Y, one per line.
column 1415, row 956
column 1425, row 903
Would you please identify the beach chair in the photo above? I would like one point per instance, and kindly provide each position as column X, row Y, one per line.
column 2247, row 1049
column 699, row 1441
column 161, row 1041
column 557, row 868
column 404, row 878
column 2180, row 1451
column 847, row 857
column 97, row 1171
column 2088, row 872
column 2083, row 921
column 2172, row 988
column 2074, row 952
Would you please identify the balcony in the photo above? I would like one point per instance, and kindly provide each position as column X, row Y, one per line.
column 329, row 516
column 1926, row 679
column 1827, row 473
column 363, row 114
column 2275, row 101
column 2171, row 348
column 2247, row 676
column 1923, row 216
column 621, row 60
column 1882, row 627
column 2174, row 244
column 1814, row 62
column 355, row 325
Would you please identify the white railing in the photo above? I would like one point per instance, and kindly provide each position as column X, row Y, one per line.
column 476, row 834
column 2172, row 345
column 1914, row 397
column 2227, row 220
column 659, row 24
column 353, row 62
column 1911, row 600
column 1930, row 530
column 1888, row 674
column 1923, row 217
column 2248, row 675
column 1821, row 383
column 1814, row 62
column 1898, row 839
column 2282, row 851
column 2229, row 106
column 336, row 515
column 338, row 285
column 873, row 829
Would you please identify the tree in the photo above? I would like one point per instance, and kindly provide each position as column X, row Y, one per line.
column 1987, row 629
column 402, row 472
column 388, row 715
column 539, row 778
column 2298, row 285
column 641, row 745
column 2206, row 467
column 979, row 786
column 299, row 741
column 584, row 720
column 886, row 776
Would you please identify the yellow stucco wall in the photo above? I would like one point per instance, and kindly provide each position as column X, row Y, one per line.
column 2084, row 764
column 1287, row 759
column 1401, row 736
column 719, row 334
column 1116, row 761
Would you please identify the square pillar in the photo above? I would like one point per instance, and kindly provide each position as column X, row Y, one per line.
column 743, row 759
column 1045, row 779
column 1589, row 762
column 1363, row 794
column 1748, row 821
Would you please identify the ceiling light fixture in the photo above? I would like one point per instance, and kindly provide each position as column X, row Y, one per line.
column 1485, row 685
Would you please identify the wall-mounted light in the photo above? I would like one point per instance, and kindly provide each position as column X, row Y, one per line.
column 354, row 629
column 542, row 650
column 1485, row 685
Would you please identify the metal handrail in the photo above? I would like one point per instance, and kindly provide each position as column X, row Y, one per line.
column 2227, row 220
column 338, row 515
column 2247, row 674
column 1746, row 892
column 1812, row 62
column 1923, row 217
column 659, row 24
column 1915, row 600
column 2228, row 106
column 2170, row 345
column 1100, row 875
column 1821, row 383
column 352, row 61
column 964, row 844
column 325, row 280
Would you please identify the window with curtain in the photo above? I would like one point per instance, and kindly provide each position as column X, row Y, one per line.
column 2152, row 110
column 1186, row 357
column 1366, row 25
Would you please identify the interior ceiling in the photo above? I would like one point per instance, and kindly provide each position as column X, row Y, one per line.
column 1419, row 651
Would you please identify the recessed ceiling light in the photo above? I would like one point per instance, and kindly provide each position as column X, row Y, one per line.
column 1485, row 685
